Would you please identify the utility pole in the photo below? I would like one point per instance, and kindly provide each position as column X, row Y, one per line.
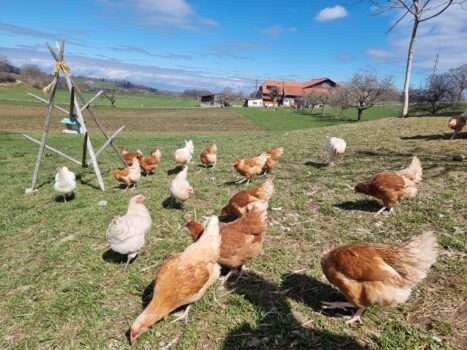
column 435, row 66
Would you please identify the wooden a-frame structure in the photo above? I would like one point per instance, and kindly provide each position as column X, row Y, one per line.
column 76, row 113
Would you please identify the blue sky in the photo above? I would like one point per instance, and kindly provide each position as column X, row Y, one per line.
column 178, row 44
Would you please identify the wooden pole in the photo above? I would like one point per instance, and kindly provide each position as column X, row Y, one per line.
column 110, row 139
column 91, row 113
column 54, row 150
column 88, row 141
column 87, row 104
column 47, row 102
column 85, row 145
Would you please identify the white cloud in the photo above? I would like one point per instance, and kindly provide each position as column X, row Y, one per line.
column 275, row 31
column 445, row 35
column 162, row 13
column 331, row 13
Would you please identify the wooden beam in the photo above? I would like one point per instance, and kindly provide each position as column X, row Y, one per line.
column 87, row 104
column 47, row 102
column 85, row 145
column 109, row 140
column 91, row 113
column 54, row 150
column 88, row 141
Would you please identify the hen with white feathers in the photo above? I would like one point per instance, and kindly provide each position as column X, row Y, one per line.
column 126, row 234
column 334, row 146
column 65, row 182
column 180, row 188
column 183, row 155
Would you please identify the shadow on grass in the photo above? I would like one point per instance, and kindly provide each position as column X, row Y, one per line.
column 171, row 203
column 277, row 325
column 317, row 165
column 79, row 178
column 368, row 205
column 175, row 170
column 445, row 136
column 114, row 257
column 61, row 199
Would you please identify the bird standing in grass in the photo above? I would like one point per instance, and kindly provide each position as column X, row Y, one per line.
column 457, row 124
column 184, row 155
column 393, row 186
column 334, row 147
column 182, row 280
column 209, row 156
column 180, row 188
column 250, row 167
column 126, row 234
column 131, row 175
column 64, row 182
column 378, row 274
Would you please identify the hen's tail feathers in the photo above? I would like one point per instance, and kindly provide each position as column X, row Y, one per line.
column 266, row 190
column 414, row 170
column 262, row 159
column 417, row 256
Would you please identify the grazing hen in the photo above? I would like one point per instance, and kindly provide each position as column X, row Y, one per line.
column 250, row 167
column 457, row 123
column 273, row 158
column 182, row 279
column 378, row 274
column 183, row 155
column 209, row 156
column 393, row 186
column 180, row 188
column 64, row 182
column 334, row 146
column 128, row 156
column 242, row 239
column 131, row 175
column 239, row 202
column 126, row 234
column 149, row 164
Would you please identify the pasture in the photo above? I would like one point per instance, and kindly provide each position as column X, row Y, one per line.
column 60, row 288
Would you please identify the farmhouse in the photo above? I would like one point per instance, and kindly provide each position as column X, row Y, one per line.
column 212, row 100
column 290, row 93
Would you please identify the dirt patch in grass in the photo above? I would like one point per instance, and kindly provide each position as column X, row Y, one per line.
column 17, row 118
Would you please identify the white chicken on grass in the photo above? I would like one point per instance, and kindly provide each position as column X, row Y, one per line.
column 334, row 146
column 65, row 182
column 184, row 155
column 126, row 234
column 180, row 188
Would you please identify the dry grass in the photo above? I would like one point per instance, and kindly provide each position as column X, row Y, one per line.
column 59, row 289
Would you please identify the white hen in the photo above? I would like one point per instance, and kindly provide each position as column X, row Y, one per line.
column 126, row 234
column 183, row 155
column 64, row 181
column 180, row 188
column 334, row 146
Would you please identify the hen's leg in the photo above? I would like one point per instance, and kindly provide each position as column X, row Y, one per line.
column 241, row 180
column 337, row 305
column 64, row 197
column 355, row 317
column 381, row 210
column 226, row 277
column 453, row 135
column 184, row 316
column 130, row 258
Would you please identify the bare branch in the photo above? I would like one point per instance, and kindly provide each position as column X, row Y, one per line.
column 396, row 23
column 449, row 3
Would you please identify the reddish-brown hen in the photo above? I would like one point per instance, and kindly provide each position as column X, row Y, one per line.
column 250, row 167
column 182, row 279
column 238, row 203
column 273, row 158
column 392, row 186
column 149, row 164
column 131, row 175
column 457, row 124
column 209, row 156
column 242, row 239
column 128, row 156
column 378, row 274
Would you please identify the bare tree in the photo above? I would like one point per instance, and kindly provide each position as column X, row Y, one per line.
column 342, row 98
column 460, row 76
column 441, row 91
column 110, row 95
column 273, row 94
column 366, row 89
column 311, row 100
column 421, row 11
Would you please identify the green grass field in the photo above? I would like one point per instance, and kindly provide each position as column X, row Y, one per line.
column 18, row 94
column 58, row 289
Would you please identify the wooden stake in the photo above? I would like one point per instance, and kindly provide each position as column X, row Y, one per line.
column 47, row 102
column 54, row 150
column 110, row 139
column 85, row 144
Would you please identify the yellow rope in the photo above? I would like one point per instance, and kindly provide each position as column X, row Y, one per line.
column 60, row 65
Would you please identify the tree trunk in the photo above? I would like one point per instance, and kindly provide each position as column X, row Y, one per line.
column 408, row 69
column 359, row 114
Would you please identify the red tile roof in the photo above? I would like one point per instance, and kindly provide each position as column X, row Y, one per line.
column 293, row 88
